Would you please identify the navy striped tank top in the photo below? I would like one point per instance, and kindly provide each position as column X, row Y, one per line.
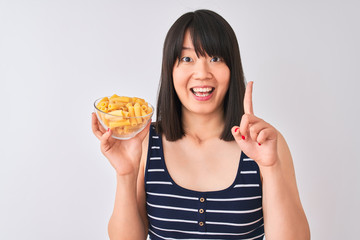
column 178, row 213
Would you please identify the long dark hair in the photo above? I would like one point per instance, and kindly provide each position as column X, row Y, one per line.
column 212, row 35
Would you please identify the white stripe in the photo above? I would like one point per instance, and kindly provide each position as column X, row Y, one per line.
column 155, row 136
column 246, row 185
column 158, row 182
column 232, row 199
column 166, row 238
column 155, row 147
column 161, row 236
column 234, row 224
column 247, row 159
column 171, row 195
column 204, row 233
column 172, row 220
column 248, row 172
column 155, row 158
column 255, row 237
column 173, row 208
column 229, row 211
column 156, row 170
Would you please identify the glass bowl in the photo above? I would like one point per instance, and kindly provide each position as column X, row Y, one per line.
column 122, row 127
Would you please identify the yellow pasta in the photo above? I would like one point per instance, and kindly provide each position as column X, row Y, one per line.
column 132, row 115
column 103, row 119
column 114, row 96
column 119, row 113
column 144, row 107
column 129, row 129
column 122, row 114
column 119, row 124
column 137, row 110
column 115, row 106
column 139, row 100
column 103, row 104
column 104, row 109
column 119, row 130
column 105, row 99
column 125, row 99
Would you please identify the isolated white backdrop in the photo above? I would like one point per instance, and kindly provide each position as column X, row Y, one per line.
column 57, row 57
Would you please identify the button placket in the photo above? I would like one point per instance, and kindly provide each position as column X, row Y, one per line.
column 202, row 214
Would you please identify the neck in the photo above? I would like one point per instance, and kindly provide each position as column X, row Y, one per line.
column 202, row 127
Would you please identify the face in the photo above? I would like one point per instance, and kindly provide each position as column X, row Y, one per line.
column 200, row 82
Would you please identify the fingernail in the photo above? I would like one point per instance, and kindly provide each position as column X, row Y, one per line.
column 243, row 137
column 108, row 130
column 259, row 144
column 236, row 129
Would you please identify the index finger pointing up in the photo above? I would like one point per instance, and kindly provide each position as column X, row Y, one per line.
column 248, row 105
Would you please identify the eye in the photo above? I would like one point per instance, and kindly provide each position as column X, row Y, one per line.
column 216, row 59
column 186, row 59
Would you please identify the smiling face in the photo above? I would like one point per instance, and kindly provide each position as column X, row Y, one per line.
column 201, row 82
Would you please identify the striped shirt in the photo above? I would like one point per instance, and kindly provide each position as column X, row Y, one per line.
column 178, row 213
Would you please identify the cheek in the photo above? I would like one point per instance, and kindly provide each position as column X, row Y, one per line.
column 176, row 81
column 224, row 82
column 179, row 79
column 175, row 76
column 224, row 77
column 178, row 86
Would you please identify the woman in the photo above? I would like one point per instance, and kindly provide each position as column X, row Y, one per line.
column 196, row 174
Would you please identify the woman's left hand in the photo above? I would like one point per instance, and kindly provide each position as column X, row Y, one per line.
column 256, row 138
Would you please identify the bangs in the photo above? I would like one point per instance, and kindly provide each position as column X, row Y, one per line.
column 209, row 37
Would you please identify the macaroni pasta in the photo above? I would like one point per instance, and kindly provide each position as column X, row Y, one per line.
column 123, row 114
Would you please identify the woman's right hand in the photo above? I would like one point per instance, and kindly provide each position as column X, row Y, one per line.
column 124, row 155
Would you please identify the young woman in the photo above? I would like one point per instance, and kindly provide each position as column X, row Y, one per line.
column 208, row 168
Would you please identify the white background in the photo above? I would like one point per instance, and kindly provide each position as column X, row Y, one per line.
column 57, row 57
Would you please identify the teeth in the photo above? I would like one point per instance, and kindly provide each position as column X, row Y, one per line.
column 202, row 94
column 202, row 90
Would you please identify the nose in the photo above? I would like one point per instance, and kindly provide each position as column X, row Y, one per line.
column 202, row 70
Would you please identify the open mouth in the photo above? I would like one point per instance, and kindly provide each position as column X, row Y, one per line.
column 202, row 92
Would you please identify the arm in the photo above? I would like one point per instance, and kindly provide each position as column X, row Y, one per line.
column 284, row 217
column 130, row 209
column 128, row 220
